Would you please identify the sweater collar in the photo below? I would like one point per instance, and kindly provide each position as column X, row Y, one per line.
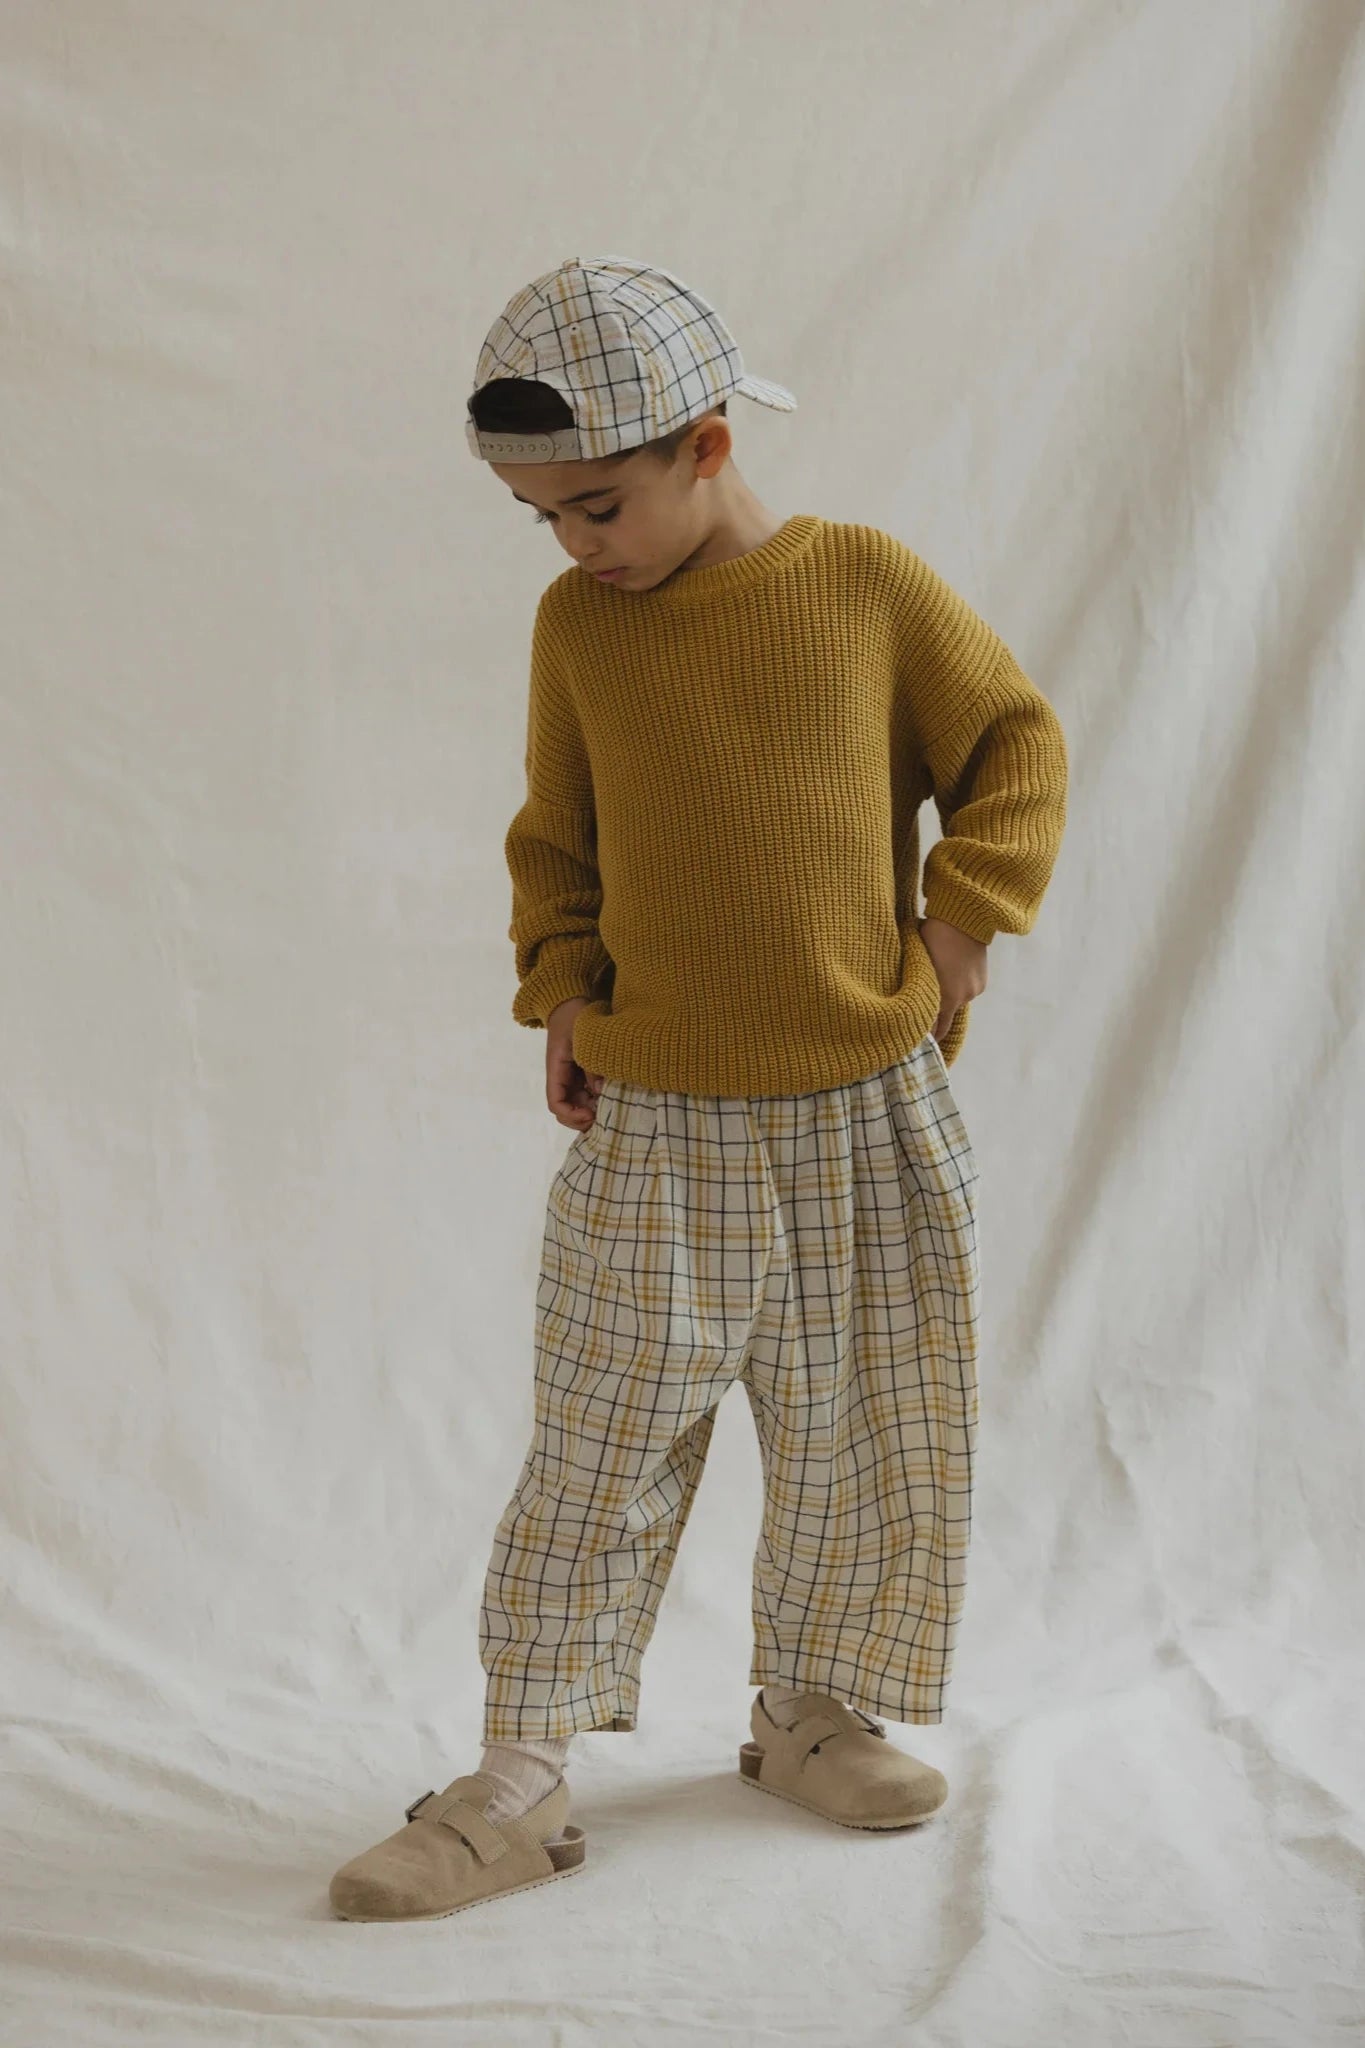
column 718, row 579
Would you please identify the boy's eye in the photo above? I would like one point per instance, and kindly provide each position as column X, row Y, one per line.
column 597, row 518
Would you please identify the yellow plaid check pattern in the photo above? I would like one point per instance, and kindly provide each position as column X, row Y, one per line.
column 634, row 351
column 821, row 1249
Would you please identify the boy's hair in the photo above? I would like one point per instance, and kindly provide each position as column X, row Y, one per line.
column 518, row 405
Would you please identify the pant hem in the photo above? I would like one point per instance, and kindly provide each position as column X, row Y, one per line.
column 894, row 1705
column 546, row 1727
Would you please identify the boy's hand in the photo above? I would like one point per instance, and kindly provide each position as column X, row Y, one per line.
column 569, row 1090
column 960, row 964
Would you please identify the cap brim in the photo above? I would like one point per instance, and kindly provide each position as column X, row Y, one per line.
column 765, row 392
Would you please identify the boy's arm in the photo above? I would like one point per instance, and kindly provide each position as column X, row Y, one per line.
column 551, row 852
column 997, row 754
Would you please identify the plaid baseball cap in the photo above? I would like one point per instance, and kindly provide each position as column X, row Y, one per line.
column 633, row 351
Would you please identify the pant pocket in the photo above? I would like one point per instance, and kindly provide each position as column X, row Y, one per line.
column 926, row 1070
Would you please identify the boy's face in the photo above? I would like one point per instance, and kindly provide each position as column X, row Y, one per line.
column 631, row 514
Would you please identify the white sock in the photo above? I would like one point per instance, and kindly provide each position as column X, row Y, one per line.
column 523, row 1772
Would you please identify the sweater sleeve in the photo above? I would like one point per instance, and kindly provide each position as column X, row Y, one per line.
column 551, row 852
column 996, row 752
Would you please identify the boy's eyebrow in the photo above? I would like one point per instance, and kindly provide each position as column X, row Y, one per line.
column 578, row 497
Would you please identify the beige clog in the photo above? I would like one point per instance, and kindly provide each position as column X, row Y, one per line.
column 449, row 1855
column 836, row 1761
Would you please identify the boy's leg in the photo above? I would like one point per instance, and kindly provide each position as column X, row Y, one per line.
column 574, row 1582
column 523, row 1773
column 863, row 1383
column 654, row 1261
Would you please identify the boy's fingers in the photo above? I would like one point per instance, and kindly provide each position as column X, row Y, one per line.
column 564, row 1092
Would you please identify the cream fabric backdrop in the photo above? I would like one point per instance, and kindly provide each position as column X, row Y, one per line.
column 1071, row 297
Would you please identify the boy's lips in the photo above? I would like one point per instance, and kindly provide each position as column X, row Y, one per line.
column 607, row 574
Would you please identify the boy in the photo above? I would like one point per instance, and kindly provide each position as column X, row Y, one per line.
column 734, row 719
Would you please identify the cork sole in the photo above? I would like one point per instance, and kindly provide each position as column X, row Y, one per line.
column 750, row 1763
column 567, row 1856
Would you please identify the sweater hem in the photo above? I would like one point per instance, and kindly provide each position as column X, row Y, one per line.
column 696, row 1059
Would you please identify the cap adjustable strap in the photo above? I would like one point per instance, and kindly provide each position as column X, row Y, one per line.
column 466, row 1821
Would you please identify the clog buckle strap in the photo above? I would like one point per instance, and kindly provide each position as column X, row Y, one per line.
column 465, row 1821
column 869, row 1720
column 843, row 1720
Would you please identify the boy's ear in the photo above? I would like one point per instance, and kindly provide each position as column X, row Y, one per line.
column 712, row 443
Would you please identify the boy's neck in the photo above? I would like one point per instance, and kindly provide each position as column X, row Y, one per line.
column 740, row 523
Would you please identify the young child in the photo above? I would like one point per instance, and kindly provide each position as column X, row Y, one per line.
column 734, row 720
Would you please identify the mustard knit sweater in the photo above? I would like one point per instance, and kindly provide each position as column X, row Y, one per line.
column 719, row 842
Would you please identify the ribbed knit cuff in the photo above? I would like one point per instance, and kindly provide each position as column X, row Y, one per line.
column 961, row 907
column 570, row 971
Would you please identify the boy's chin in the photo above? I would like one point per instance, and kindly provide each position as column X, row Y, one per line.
column 632, row 579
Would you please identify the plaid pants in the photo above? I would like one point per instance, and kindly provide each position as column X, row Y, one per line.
column 821, row 1249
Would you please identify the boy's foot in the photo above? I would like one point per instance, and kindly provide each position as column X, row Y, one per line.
column 837, row 1761
column 450, row 1855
